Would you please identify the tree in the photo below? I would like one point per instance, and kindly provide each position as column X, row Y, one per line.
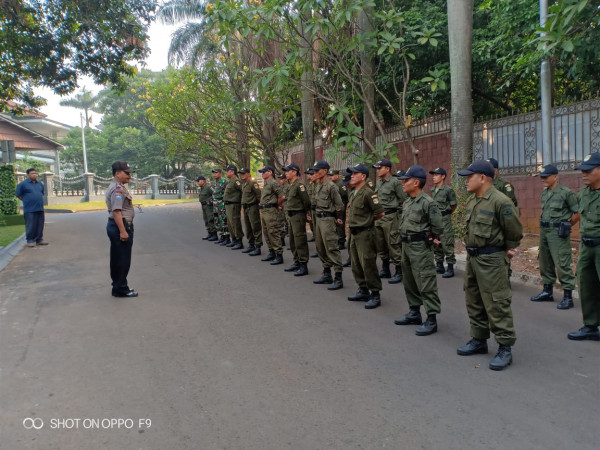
column 83, row 100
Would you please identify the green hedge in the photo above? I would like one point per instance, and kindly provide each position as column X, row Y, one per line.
column 8, row 185
column 16, row 219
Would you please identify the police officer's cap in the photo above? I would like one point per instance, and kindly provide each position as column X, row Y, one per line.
column 549, row 170
column 267, row 168
column 121, row 165
column 281, row 176
column 493, row 162
column 346, row 179
column 231, row 167
column 244, row 170
column 590, row 162
column 216, row 170
column 399, row 173
column 309, row 171
column 320, row 164
column 359, row 168
column 333, row 172
column 483, row 167
column 292, row 166
column 200, row 178
column 414, row 172
column 438, row 171
column 382, row 163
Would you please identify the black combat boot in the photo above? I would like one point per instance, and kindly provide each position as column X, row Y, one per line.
column 220, row 239
column 231, row 243
column 311, row 239
column 545, row 295
column 254, row 252
column 270, row 256
column 567, row 301
column 292, row 268
column 362, row 295
column 347, row 263
column 207, row 237
column 374, row 300
column 302, row 270
column 385, row 269
column 237, row 245
column 587, row 333
column 225, row 241
column 412, row 318
column 337, row 282
column 439, row 267
column 277, row 260
column 314, row 255
column 249, row 249
column 213, row 237
column 427, row 328
column 325, row 278
column 503, row 358
column 473, row 347
column 397, row 278
column 449, row 273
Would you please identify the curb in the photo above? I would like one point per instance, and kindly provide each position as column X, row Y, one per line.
column 11, row 250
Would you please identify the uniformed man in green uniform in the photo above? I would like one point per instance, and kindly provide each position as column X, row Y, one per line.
column 219, row 206
column 445, row 198
column 334, row 176
column 387, row 235
column 501, row 184
column 420, row 226
column 205, row 198
column 363, row 208
column 282, row 180
column 310, row 188
column 559, row 205
column 588, row 264
column 327, row 216
column 232, row 197
column 346, row 183
column 270, row 204
column 493, row 234
column 250, row 199
column 297, row 206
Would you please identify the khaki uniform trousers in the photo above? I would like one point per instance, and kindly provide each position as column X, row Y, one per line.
column 234, row 221
column 447, row 238
column 588, row 277
column 556, row 255
column 326, row 240
column 298, row 239
column 271, row 225
column 253, row 226
column 363, row 253
column 420, row 282
column 387, row 238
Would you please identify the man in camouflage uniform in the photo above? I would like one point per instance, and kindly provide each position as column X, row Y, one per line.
column 334, row 176
column 297, row 210
column 445, row 198
column 559, row 204
column 270, row 204
column 250, row 200
column 219, row 207
column 232, row 197
column 588, row 264
column 493, row 234
column 205, row 197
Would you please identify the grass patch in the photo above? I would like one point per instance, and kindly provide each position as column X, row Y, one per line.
column 13, row 219
column 101, row 206
column 9, row 233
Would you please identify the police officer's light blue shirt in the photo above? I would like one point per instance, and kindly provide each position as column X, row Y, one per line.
column 32, row 195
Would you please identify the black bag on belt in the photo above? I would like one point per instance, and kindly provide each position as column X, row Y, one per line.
column 564, row 229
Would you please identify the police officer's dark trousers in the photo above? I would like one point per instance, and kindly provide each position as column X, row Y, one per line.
column 120, row 257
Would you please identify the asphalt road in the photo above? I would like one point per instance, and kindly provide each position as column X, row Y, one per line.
column 222, row 351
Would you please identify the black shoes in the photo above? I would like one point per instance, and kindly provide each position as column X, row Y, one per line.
column 250, row 248
column 362, row 295
column 412, row 318
column 325, row 278
column 347, row 263
column 337, row 282
column 314, row 255
column 473, row 347
column 254, row 252
column 292, row 268
column 567, row 301
column 385, row 269
column 130, row 294
column 439, row 267
column 237, row 245
column 312, row 239
column 207, row 237
column 545, row 295
column 587, row 333
column 225, row 241
column 374, row 301
column 219, row 240
column 449, row 273
column 302, row 270
column 427, row 328
column 213, row 237
column 277, row 260
column 397, row 278
column 269, row 257
column 503, row 358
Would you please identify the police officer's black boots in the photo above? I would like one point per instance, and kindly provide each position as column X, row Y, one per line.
column 397, row 278
column 503, row 358
column 337, row 282
column 220, row 239
column 293, row 267
column 473, row 347
column 314, row 255
column 302, row 270
column 347, row 263
column 567, row 301
column 449, row 273
column 362, row 295
column 237, row 245
column 249, row 249
column 374, row 300
column 270, row 256
column 428, row 327
column 213, row 237
column 439, row 267
column 226, row 241
column 207, row 237
column 412, row 318
column 325, row 278
column 254, row 252
column 586, row 333
column 231, row 243
column 545, row 295
column 277, row 260
column 385, row 269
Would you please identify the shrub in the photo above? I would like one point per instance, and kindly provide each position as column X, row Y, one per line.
column 8, row 185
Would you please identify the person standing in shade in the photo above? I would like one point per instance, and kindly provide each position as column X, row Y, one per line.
column 445, row 198
column 334, row 176
column 205, row 196
column 420, row 226
column 31, row 192
column 219, row 207
column 588, row 264
column 387, row 236
column 282, row 180
column 327, row 215
column 493, row 234
column 501, row 184
column 270, row 202
column 298, row 211
column 559, row 205
column 363, row 209
column 345, row 183
column 250, row 200
column 310, row 188
column 232, row 197
column 120, row 229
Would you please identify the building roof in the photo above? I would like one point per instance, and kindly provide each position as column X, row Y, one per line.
column 25, row 138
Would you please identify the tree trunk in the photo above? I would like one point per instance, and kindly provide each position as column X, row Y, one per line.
column 307, row 88
column 366, row 67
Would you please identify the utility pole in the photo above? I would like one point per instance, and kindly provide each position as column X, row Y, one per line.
column 546, row 94
column 85, row 167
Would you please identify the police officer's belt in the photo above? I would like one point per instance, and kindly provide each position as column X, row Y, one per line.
column 356, row 230
column 206, row 203
column 293, row 213
column 447, row 212
column 487, row 250
column 391, row 211
column 413, row 237
column 232, row 203
column 248, row 205
column 590, row 242
column 268, row 205
column 545, row 224
column 322, row 214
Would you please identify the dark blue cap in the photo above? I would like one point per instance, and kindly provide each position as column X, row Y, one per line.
column 320, row 164
column 333, row 172
column 483, row 167
column 549, row 170
column 121, row 165
column 200, row 178
column 589, row 162
column 292, row 166
column 244, row 170
column 216, row 169
column 360, row 168
column 346, row 179
column 382, row 163
column 231, row 167
column 281, row 176
column 267, row 168
column 414, row 172
column 399, row 173
column 309, row 171
column 438, row 171
column 493, row 162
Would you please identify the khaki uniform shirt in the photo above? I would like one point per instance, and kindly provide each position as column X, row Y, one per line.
column 343, row 191
column 362, row 206
column 506, row 188
column 589, row 207
column 205, row 193
column 117, row 198
column 327, row 197
column 420, row 214
column 233, row 191
column 297, row 197
column 250, row 192
column 444, row 196
column 271, row 192
column 390, row 193
column 558, row 204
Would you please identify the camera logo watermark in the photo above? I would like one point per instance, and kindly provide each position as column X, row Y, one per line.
column 88, row 423
column 33, row 423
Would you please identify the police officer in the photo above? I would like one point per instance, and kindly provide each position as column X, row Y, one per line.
column 310, row 188
column 327, row 216
column 445, row 198
column 334, row 176
column 346, row 183
column 588, row 264
column 364, row 207
column 250, row 200
column 120, row 229
column 559, row 205
column 282, row 180
column 420, row 225
column 270, row 202
column 297, row 210
column 219, row 206
column 493, row 234
column 232, row 197
column 205, row 197
column 501, row 184
column 387, row 236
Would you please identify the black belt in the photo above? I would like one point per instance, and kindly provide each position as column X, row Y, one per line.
column 293, row 213
column 390, row 211
column 268, row 205
column 248, row 205
column 487, row 250
column 206, row 203
column 232, row 203
column 546, row 224
column 590, row 242
column 446, row 213
column 127, row 222
column 413, row 237
column 356, row 230
column 322, row 214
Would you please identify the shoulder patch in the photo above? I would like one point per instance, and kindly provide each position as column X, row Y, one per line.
column 507, row 210
column 302, row 188
column 118, row 197
column 237, row 182
column 508, row 187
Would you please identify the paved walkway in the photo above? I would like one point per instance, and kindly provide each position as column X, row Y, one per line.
column 221, row 351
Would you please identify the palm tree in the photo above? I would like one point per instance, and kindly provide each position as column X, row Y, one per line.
column 85, row 100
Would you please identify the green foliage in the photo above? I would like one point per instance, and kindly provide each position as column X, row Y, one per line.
column 28, row 162
column 8, row 186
